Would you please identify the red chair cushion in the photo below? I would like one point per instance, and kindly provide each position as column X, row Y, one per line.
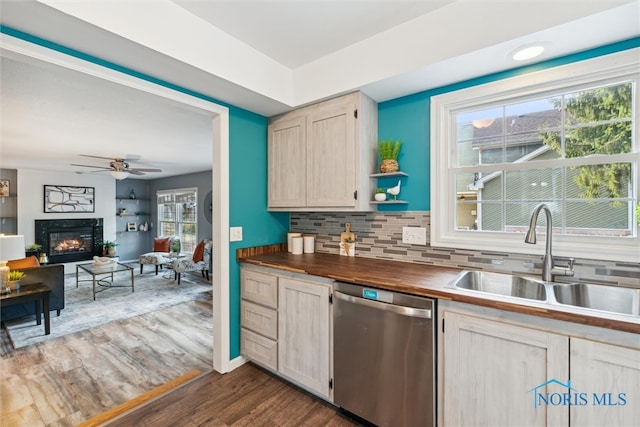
column 161, row 244
column 30, row 261
column 198, row 253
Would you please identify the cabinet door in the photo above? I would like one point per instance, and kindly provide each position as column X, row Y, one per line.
column 287, row 163
column 492, row 368
column 331, row 148
column 303, row 334
column 609, row 377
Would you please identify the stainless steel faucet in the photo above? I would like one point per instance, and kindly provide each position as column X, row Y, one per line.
column 549, row 269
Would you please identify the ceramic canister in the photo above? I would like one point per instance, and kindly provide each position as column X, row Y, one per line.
column 290, row 236
column 297, row 245
column 309, row 245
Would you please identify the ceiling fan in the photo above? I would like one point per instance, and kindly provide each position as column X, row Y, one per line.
column 118, row 167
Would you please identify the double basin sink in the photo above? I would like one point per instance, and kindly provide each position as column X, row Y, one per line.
column 610, row 299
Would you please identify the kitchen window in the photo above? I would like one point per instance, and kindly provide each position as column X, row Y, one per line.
column 566, row 137
column 178, row 216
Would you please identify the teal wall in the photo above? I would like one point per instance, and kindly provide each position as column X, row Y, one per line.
column 407, row 119
column 248, row 203
column 247, row 178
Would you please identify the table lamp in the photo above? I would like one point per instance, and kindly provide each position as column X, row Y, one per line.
column 11, row 247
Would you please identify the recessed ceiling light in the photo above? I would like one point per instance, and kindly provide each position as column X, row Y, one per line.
column 524, row 53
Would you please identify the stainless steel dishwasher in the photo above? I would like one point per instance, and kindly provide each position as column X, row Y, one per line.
column 384, row 355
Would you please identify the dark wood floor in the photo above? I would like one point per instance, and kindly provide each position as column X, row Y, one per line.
column 247, row 396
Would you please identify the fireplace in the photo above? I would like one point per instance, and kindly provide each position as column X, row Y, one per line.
column 69, row 240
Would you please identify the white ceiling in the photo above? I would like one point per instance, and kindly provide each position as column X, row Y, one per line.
column 265, row 56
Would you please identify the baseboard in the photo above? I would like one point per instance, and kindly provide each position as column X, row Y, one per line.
column 236, row 363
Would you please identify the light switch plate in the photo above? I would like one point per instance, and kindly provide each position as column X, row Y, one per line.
column 235, row 234
column 414, row 235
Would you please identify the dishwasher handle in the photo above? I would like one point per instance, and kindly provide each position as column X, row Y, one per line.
column 397, row 309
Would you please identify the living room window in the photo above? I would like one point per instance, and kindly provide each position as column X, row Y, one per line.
column 566, row 137
column 178, row 216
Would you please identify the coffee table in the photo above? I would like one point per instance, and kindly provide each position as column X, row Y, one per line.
column 107, row 279
column 37, row 292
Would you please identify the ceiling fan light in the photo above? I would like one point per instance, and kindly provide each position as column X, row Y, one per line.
column 119, row 174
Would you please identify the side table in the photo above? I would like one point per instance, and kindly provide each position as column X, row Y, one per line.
column 36, row 292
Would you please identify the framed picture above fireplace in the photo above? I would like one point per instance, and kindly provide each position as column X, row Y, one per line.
column 67, row 199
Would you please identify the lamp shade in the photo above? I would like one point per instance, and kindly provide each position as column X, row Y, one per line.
column 11, row 247
column 119, row 174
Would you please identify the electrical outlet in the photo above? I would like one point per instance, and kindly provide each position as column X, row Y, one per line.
column 235, row 234
column 414, row 235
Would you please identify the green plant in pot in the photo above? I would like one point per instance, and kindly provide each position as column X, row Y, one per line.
column 109, row 248
column 32, row 249
column 388, row 151
column 14, row 279
column 380, row 195
column 176, row 247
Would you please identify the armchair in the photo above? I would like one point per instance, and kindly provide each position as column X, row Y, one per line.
column 198, row 262
column 160, row 254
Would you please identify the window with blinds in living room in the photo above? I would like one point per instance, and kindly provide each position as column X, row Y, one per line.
column 178, row 216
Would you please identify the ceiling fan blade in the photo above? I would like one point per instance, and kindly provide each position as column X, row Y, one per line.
column 98, row 171
column 90, row 166
column 126, row 157
column 144, row 170
column 134, row 172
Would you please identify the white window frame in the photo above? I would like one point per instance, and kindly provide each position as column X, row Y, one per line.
column 173, row 191
column 443, row 141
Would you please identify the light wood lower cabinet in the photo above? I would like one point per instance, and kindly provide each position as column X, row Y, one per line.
column 491, row 368
column 259, row 317
column 495, row 370
column 607, row 380
column 286, row 327
column 303, row 327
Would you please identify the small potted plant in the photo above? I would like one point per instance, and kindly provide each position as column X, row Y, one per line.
column 33, row 249
column 14, row 280
column 109, row 248
column 388, row 152
column 176, row 247
column 380, row 195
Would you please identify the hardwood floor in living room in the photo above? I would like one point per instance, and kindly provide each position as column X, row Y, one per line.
column 67, row 380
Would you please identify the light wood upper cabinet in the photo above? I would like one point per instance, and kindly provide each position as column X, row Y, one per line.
column 321, row 156
column 287, row 163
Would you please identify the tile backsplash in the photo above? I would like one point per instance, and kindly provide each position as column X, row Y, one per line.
column 379, row 235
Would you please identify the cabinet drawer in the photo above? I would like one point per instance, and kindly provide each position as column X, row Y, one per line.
column 259, row 349
column 259, row 288
column 259, row 319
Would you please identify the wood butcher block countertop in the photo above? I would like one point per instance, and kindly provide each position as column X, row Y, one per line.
column 428, row 281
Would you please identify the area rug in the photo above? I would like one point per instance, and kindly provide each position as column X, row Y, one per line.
column 81, row 312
